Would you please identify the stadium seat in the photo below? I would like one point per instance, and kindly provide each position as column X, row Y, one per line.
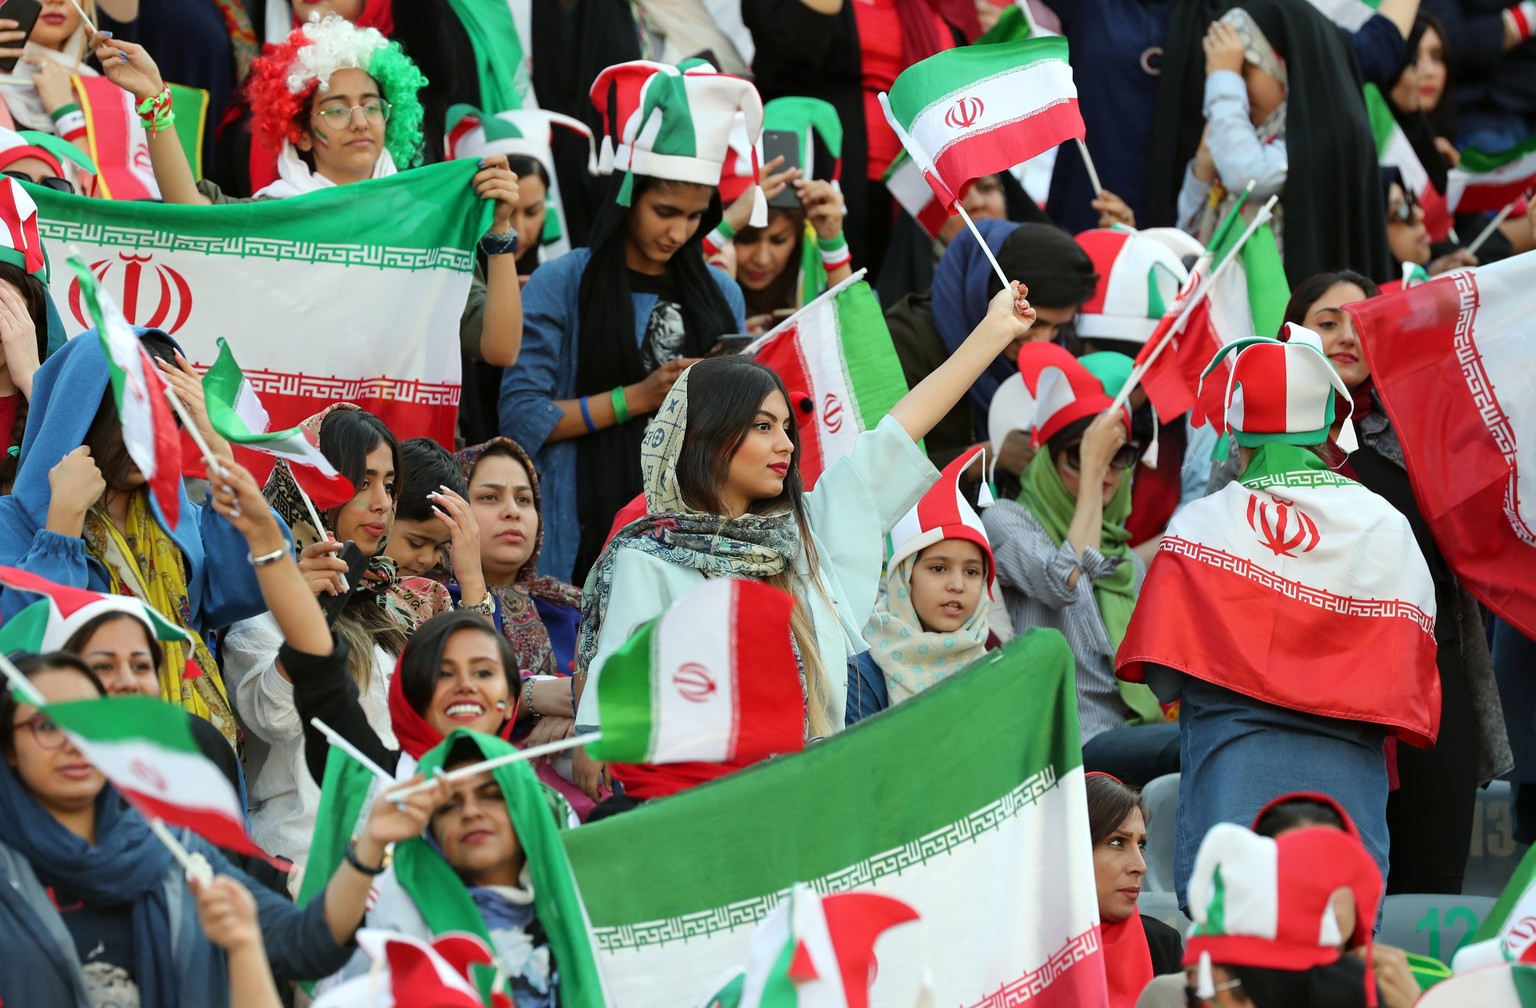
column 1494, row 854
column 1431, row 924
column 1162, row 797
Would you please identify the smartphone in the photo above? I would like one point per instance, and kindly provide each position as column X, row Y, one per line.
column 732, row 344
column 357, row 562
column 775, row 144
column 25, row 13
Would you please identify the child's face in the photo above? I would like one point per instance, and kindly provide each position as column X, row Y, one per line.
column 1265, row 93
column 947, row 582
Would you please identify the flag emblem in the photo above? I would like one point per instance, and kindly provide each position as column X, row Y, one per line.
column 153, row 295
column 964, row 113
column 832, row 413
column 694, row 682
column 1280, row 534
column 148, row 774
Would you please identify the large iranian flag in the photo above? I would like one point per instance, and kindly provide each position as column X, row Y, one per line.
column 988, row 845
column 836, row 359
column 904, row 178
column 353, row 292
column 144, row 746
column 1452, row 361
column 1300, row 612
column 1483, row 181
column 979, row 109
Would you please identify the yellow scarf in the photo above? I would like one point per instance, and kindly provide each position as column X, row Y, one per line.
column 145, row 562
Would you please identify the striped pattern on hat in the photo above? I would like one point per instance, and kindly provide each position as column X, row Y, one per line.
column 1280, row 392
column 1139, row 277
column 943, row 513
column 20, row 244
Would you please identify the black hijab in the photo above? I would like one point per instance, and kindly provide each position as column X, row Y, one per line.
column 1418, row 127
column 1332, row 203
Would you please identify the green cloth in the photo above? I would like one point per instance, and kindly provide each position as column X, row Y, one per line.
column 1274, row 457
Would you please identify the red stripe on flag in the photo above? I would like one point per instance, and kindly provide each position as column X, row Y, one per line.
column 767, row 682
column 1461, row 477
column 406, row 419
column 1481, row 197
column 166, row 484
column 1006, row 145
column 1305, row 646
column 219, row 830
column 785, row 357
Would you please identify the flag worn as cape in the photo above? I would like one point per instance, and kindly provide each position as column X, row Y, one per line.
column 1290, row 610
column 236, row 412
column 144, row 746
column 978, row 109
column 1452, row 362
column 995, row 857
column 836, row 359
column 353, row 292
column 150, row 434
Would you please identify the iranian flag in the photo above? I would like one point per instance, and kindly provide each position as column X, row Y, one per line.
column 410, row 973
column 1451, row 360
column 908, row 187
column 1508, row 932
column 150, row 434
column 1487, row 182
column 350, row 293
column 144, row 746
column 1300, row 614
column 996, row 859
column 1393, row 150
column 979, row 109
column 236, row 412
column 118, row 145
column 712, row 680
column 1219, row 304
column 1347, row 14
column 835, row 357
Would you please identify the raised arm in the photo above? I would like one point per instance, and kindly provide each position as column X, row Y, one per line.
column 501, row 325
column 130, row 67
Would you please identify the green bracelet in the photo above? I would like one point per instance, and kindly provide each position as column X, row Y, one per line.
column 620, row 407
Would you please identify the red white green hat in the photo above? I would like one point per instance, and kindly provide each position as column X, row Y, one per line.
column 943, row 513
column 47, row 624
column 673, row 123
column 1065, row 389
column 20, row 244
column 1282, row 392
column 66, row 160
column 1140, row 274
column 526, row 133
column 1268, row 903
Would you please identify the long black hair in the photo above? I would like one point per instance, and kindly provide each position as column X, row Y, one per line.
column 346, row 438
column 609, row 356
column 724, row 395
column 422, row 659
column 1315, row 286
column 82, row 636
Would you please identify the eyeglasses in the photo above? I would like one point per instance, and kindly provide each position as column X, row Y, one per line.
column 45, row 731
column 1403, row 212
column 1194, row 1000
column 51, row 182
column 1125, row 458
column 375, row 112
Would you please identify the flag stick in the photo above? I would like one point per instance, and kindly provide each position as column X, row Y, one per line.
column 1493, row 226
column 83, row 16
column 195, row 865
column 21, row 684
column 985, row 248
column 1093, row 173
column 1259, row 219
column 533, row 752
column 309, row 506
column 335, row 739
column 209, row 459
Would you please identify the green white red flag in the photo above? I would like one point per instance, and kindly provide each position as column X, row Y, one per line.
column 978, row 109
column 904, row 179
column 1299, row 614
column 48, row 624
column 411, row 973
column 856, row 813
column 236, row 412
column 713, row 679
column 150, row 434
column 1451, row 360
column 118, row 145
column 1508, row 932
column 1488, row 182
column 1347, row 14
column 144, row 746
column 836, row 358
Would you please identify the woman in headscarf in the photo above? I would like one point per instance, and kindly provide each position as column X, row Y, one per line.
column 1064, row 558
column 722, row 482
column 927, row 328
column 43, row 98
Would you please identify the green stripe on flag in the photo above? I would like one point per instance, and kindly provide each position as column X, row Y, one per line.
column 827, row 812
column 938, row 79
column 1525, row 874
column 1382, row 121
column 128, row 719
column 1476, row 161
column 343, row 796
column 1268, row 291
column 498, row 52
column 625, row 699
column 873, row 369
column 1011, row 26
column 191, row 105
column 25, row 630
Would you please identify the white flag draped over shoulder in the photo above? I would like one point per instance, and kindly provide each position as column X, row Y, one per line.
column 351, row 293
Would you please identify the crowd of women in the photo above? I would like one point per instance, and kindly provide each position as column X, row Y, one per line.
column 615, row 450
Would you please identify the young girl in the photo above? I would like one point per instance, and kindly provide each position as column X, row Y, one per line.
column 931, row 621
column 723, row 486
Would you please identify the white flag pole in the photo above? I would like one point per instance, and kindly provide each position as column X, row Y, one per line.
column 985, row 248
column 83, row 16
column 1259, row 220
column 195, row 865
column 334, row 738
column 1093, row 173
column 532, row 752
column 20, row 684
column 1493, row 226
column 209, row 459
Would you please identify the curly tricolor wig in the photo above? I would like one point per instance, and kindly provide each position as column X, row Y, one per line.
column 289, row 73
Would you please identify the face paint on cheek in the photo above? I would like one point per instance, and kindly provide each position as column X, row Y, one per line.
column 321, row 140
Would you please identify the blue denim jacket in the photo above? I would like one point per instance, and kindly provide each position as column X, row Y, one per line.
column 545, row 372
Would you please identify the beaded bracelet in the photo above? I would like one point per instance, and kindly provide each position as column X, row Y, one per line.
column 495, row 243
column 620, row 406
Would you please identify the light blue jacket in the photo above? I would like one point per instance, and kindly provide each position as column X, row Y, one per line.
column 546, row 372
column 42, row 967
column 67, row 391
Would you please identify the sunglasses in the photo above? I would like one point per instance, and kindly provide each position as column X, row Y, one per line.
column 51, row 182
column 1403, row 212
column 1125, row 458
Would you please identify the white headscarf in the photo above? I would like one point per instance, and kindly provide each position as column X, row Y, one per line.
column 20, row 92
column 296, row 178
